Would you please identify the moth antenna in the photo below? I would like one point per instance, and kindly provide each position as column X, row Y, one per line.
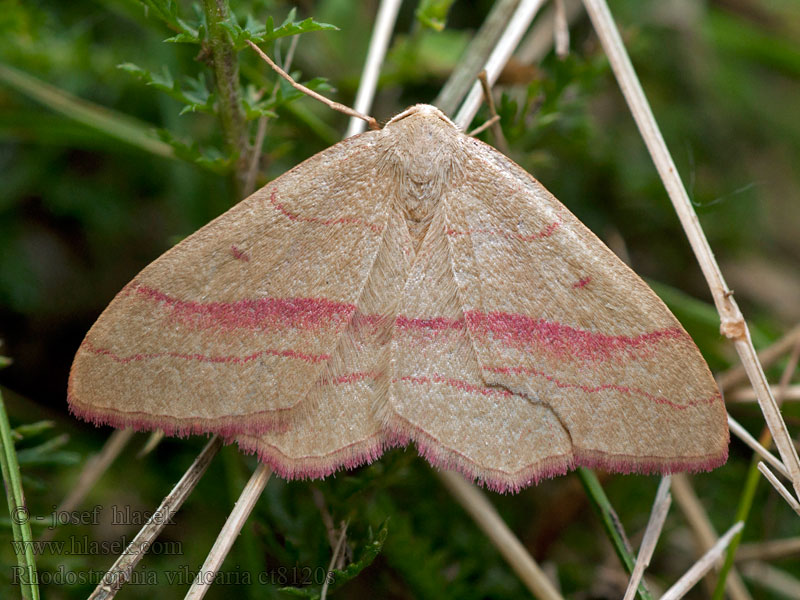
column 373, row 124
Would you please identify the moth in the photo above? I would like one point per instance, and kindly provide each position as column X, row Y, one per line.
column 406, row 284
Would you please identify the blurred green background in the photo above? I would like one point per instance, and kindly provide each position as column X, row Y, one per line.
column 103, row 168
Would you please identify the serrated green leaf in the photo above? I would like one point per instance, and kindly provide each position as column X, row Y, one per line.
column 167, row 11
column 212, row 159
column 196, row 96
column 368, row 555
column 288, row 28
column 183, row 38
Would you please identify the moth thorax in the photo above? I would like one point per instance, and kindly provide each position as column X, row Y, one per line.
column 418, row 193
column 423, row 172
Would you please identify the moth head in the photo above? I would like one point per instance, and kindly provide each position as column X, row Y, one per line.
column 422, row 110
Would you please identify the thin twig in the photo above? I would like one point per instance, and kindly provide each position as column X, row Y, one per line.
column 785, row 494
column 791, row 393
column 655, row 524
column 241, row 511
column 539, row 39
column 121, row 570
column 776, row 580
column 336, row 551
column 732, row 324
column 493, row 122
column 501, row 52
column 91, row 473
column 261, row 130
column 752, row 480
column 744, row 435
column 373, row 124
column 378, row 43
column 485, row 126
column 703, row 530
column 153, row 440
column 487, row 518
column 702, row 566
column 769, row 550
column 737, row 375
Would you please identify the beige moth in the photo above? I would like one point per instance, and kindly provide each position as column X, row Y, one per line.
column 407, row 284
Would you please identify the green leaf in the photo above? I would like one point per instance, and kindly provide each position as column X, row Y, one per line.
column 339, row 577
column 290, row 27
column 212, row 158
column 45, row 453
column 111, row 123
column 433, row 13
column 167, row 11
column 31, row 429
column 611, row 523
column 196, row 96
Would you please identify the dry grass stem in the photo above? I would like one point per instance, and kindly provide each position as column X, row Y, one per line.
column 121, row 570
column 153, row 440
column 373, row 124
column 475, row 56
column 788, row 373
column 702, row 566
column 230, row 531
column 485, row 515
column 786, row 494
column 733, row 324
column 92, row 471
column 740, row 432
column 652, row 532
column 493, row 122
column 737, row 375
column 791, row 393
column 775, row 580
column 481, row 128
column 501, row 52
column 560, row 30
column 540, row 38
column 378, row 43
column 703, row 530
column 769, row 550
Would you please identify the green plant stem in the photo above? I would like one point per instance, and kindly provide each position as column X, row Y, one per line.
column 111, row 123
column 226, row 75
column 20, row 522
column 611, row 523
column 742, row 512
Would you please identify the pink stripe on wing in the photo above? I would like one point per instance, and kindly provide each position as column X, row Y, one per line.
column 340, row 221
column 262, row 313
column 313, row 358
column 521, row 331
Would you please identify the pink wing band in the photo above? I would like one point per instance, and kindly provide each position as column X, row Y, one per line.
column 510, row 329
